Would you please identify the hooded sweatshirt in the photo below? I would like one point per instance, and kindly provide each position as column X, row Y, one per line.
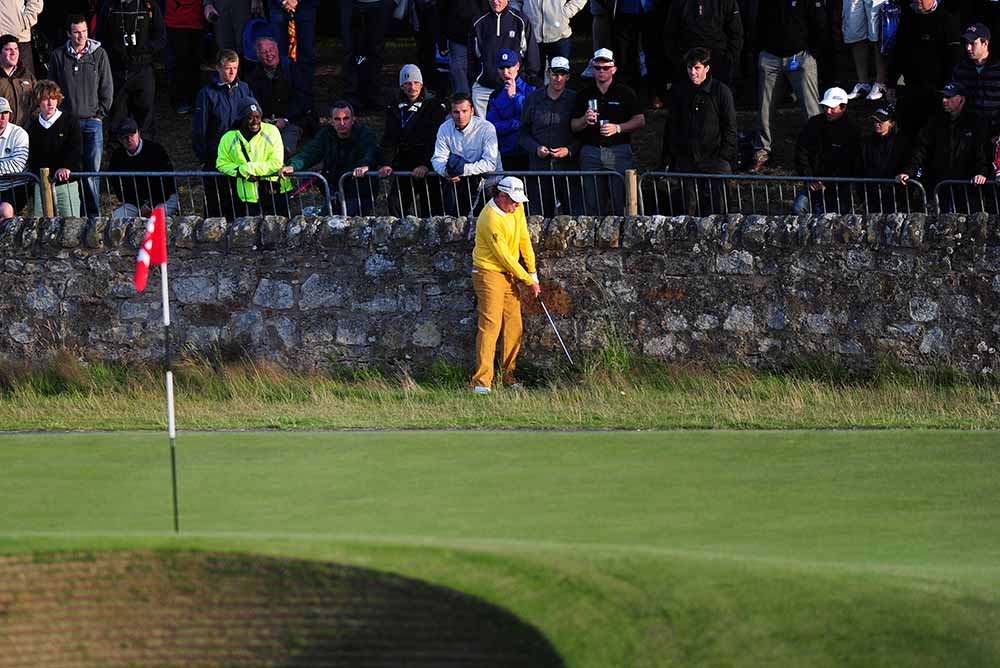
column 85, row 80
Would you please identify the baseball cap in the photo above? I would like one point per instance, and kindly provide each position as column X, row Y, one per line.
column 513, row 187
column 127, row 128
column 410, row 73
column 559, row 64
column 883, row 114
column 603, row 54
column 507, row 58
column 4, row 105
column 248, row 105
column 953, row 88
column 834, row 97
column 976, row 31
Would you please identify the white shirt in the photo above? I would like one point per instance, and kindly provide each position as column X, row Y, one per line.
column 477, row 143
column 13, row 155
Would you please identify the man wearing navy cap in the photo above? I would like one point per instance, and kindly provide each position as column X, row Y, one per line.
column 504, row 109
column 979, row 75
column 953, row 145
column 140, row 195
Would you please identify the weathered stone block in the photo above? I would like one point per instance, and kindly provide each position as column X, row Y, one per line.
column 30, row 231
column 274, row 294
column 333, row 231
column 608, row 233
column 243, row 232
column 923, row 309
column 427, row 335
column 72, row 232
column 197, row 289
column 408, row 232
column 184, row 231
column 740, row 319
column 323, row 292
column 381, row 230
column 51, row 232
column 272, row 231
column 211, row 231
column 93, row 237
column 10, row 230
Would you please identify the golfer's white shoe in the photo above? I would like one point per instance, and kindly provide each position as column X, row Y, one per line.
column 479, row 389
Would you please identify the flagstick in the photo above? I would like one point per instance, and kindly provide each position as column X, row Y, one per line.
column 170, row 391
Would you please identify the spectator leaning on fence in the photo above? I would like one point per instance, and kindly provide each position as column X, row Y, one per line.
column 502, row 244
column 16, row 83
column 829, row 145
column 83, row 71
column 928, row 46
column 501, row 28
column 954, row 145
column 883, row 154
column 605, row 133
column 55, row 143
column 411, row 126
column 979, row 76
column 13, row 160
column 253, row 155
column 504, row 110
column 343, row 147
column 139, row 195
column 465, row 147
column 272, row 87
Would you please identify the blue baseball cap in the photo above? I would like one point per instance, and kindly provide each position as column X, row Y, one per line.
column 507, row 58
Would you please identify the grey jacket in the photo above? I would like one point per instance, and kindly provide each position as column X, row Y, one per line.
column 550, row 18
column 86, row 81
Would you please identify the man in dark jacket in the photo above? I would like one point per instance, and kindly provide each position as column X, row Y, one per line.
column 501, row 28
column 953, row 145
column 411, row 126
column 138, row 194
column 829, row 145
column 979, row 76
column 134, row 34
column 928, row 46
column 711, row 24
column 701, row 131
column 883, row 154
column 788, row 34
column 271, row 85
column 344, row 146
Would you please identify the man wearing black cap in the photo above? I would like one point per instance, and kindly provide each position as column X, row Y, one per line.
column 253, row 155
column 928, row 46
column 954, row 145
column 979, row 76
column 883, row 153
column 139, row 195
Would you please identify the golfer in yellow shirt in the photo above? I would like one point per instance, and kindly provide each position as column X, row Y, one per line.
column 502, row 242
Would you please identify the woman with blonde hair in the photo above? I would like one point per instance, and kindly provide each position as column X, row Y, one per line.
column 55, row 142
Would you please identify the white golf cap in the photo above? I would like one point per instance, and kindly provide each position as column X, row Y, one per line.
column 603, row 54
column 513, row 187
column 834, row 97
column 559, row 64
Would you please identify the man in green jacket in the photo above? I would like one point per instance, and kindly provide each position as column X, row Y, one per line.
column 346, row 147
column 253, row 154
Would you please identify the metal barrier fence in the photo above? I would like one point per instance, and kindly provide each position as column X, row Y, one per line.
column 966, row 197
column 549, row 193
column 130, row 194
column 18, row 191
column 672, row 194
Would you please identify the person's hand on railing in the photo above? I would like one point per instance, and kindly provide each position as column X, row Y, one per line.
column 559, row 153
column 360, row 171
column 902, row 178
column 286, row 171
column 62, row 175
column 978, row 180
column 816, row 185
column 385, row 171
column 420, row 171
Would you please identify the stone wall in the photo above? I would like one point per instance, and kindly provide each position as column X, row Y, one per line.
column 758, row 290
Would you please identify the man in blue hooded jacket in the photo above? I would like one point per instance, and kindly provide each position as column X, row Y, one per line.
column 504, row 110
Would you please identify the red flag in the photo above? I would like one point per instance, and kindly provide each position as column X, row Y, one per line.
column 153, row 249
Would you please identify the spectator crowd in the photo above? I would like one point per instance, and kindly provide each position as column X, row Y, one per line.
column 488, row 92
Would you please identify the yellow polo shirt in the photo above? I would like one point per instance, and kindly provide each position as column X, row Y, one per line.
column 501, row 238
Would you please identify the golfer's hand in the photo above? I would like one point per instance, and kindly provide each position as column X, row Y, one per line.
column 535, row 289
column 978, row 179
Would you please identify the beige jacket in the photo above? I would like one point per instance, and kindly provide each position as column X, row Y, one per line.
column 18, row 16
column 549, row 19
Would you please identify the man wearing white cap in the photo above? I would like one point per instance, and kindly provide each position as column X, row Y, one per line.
column 502, row 244
column 829, row 145
column 13, row 160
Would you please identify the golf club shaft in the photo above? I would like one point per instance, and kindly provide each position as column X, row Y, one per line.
column 556, row 330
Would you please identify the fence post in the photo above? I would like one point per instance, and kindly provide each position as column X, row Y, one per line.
column 48, row 195
column 631, row 192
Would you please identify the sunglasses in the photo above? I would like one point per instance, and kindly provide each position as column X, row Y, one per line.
column 601, row 68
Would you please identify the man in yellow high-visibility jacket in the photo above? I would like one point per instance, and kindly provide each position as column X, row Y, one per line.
column 502, row 242
column 253, row 154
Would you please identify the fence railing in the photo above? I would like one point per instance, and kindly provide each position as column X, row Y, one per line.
column 17, row 190
column 129, row 194
column 672, row 194
column 952, row 196
column 549, row 193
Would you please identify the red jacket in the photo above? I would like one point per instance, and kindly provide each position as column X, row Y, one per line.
column 184, row 14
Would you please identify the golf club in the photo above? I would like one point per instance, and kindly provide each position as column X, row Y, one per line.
column 556, row 330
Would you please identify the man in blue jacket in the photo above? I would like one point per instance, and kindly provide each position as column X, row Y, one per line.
column 504, row 110
column 216, row 110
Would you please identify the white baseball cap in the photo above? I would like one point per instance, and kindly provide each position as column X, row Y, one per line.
column 513, row 187
column 559, row 64
column 834, row 97
column 603, row 54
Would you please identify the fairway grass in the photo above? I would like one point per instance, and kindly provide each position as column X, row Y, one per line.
column 625, row 549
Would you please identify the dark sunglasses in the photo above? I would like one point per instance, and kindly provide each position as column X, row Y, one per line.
column 602, row 68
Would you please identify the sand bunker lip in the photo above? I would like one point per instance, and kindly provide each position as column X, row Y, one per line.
column 220, row 609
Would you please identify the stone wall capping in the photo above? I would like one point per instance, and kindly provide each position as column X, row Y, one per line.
column 51, row 232
column 93, row 235
column 10, row 231
column 243, row 232
column 212, row 231
column 72, row 233
column 183, row 231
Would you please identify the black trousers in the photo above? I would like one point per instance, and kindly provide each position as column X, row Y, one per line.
column 185, row 78
column 364, row 25
column 135, row 93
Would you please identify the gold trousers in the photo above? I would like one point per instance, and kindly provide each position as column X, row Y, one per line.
column 499, row 304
